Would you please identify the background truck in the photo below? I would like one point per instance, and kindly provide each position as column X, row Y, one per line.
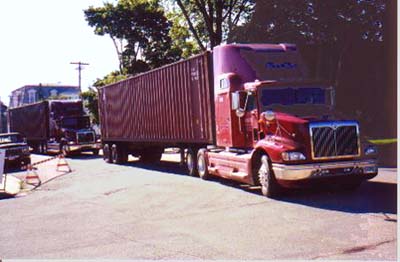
column 16, row 151
column 55, row 126
column 246, row 112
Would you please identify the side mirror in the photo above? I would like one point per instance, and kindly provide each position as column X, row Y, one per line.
column 240, row 112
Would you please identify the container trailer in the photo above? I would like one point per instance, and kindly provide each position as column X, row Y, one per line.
column 55, row 126
column 247, row 112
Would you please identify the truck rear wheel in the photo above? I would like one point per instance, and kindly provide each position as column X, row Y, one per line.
column 269, row 185
column 106, row 153
column 118, row 154
column 191, row 162
column 202, row 164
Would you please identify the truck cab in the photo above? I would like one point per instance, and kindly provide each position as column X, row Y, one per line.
column 277, row 128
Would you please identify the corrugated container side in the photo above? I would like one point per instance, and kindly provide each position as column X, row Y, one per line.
column 171, row 104
column 30, row 120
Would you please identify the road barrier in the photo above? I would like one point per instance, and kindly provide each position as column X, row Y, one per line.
column 32, row 178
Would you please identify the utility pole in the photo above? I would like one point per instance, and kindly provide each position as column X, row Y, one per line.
column 80, row 68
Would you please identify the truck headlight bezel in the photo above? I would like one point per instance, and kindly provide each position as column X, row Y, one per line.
column 293, row 156
column 371, row 150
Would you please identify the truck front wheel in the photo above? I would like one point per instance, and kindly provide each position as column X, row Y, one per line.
column 269, row 186
column 65, row 150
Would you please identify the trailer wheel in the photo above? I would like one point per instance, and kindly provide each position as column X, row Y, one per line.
column 118, row 154
column 95, row 152
column 106, row 153
column 191, row 162
column 269, row 185
column 202, row 164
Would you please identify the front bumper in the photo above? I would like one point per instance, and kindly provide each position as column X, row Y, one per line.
column 364, row 169
column 84, row 147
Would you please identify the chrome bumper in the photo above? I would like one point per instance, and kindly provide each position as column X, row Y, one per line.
column 319, row 170
column 83, row 147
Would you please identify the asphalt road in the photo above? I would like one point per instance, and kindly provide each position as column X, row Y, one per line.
column 103, row 211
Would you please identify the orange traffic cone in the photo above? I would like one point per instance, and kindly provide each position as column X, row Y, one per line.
column 32, row 178
column 61, row 163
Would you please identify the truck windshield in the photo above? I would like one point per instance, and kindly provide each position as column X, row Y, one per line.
column 75, row 122
column 4, row 139
column 293, row 96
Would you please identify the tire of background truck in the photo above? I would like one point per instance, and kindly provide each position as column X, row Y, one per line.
column 64, row 150
column 269, row 185
column 118, row 154
column 202, row 164
column 106, row 153
column 25, row 162
column 151, row 156
column 191, row 162
column 95, row 152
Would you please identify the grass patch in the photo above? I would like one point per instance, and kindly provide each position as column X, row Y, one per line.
column 383, row 141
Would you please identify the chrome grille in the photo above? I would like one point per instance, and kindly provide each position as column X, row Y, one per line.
column 86, row 137
column 334, row 139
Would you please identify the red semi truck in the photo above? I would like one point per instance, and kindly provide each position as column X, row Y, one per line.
column 246, row 112
column 55, row 126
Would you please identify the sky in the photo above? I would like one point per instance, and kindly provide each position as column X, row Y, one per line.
column 39, row 40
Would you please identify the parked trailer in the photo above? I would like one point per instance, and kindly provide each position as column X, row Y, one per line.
column 54, row 126
column 247, row 112
column 167, row 107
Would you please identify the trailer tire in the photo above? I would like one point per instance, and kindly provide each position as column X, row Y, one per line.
column 106, row 153
column 267, row 180
column 191, row 162
column 202, row 164
column 118, row 154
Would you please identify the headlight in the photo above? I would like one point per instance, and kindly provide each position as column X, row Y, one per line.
column 370, row 150
column 25, row 150
column 71, row 142
column 293, row 156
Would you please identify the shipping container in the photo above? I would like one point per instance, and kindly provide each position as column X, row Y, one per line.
column 32, row 121
column 168, row 106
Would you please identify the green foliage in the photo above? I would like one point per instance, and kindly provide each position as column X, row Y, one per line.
column 109, row 79
column 211, row 21
column 90, row 99
column 139, row 31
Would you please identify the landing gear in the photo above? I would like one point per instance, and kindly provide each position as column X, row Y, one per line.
column 107, row 153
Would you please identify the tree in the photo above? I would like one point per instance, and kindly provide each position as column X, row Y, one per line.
column 210, row 21
column 90, row 99
column 139, row 31
column 332, row 26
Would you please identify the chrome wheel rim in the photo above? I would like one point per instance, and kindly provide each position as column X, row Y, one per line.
column 201, row 165
column 263, row 172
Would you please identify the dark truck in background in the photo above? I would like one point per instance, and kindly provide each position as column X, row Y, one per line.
column 55, row 126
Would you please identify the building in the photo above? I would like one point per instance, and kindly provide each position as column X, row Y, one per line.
column 34, row 93
column 3, row 118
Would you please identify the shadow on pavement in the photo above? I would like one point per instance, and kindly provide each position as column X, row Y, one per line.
column 370, row 197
